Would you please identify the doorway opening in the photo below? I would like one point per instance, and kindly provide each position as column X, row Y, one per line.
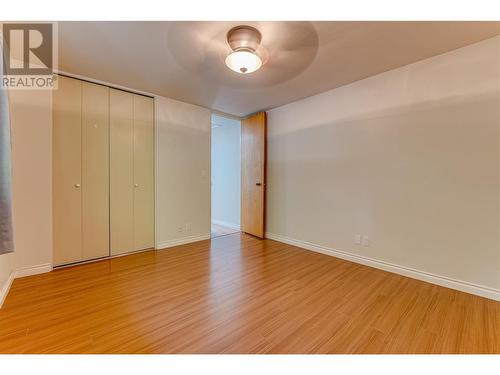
column 226, row 176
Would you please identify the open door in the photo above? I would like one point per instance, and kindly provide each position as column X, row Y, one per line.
column 253, row 174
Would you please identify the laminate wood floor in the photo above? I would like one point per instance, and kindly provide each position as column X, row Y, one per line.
column 238, row 294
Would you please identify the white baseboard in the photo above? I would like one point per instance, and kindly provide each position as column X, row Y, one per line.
column 21, row 272
column 182, row 241
column 447, row 282
column 32, row 270
column 5, row 288
column 227, row 224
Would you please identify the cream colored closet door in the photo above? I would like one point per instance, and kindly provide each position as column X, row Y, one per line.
column 95, row 171
column 131, row 172
column 67, row 176
column 143, row 173
column 121, row 122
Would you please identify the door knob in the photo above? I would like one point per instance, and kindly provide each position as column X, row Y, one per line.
column 77, row 185
column 258, row 184
column 136, row 185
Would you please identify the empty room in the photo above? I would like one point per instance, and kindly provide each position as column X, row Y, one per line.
column 250, row 187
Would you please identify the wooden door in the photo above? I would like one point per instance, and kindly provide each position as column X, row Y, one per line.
column 95, row 171
column 143, row 173
column 121, row 115
column 67, row 176
column 253, row 174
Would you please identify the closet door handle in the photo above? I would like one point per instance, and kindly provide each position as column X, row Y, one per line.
column 136, row 185
column 77, row 185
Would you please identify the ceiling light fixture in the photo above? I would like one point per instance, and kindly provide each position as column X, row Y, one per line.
column 244, row 41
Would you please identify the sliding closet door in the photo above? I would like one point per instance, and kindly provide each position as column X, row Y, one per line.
column 121, row 115
column 67, row 177
column 103, row 171
column 95, row 171
column 143, row 173
column 132, row 190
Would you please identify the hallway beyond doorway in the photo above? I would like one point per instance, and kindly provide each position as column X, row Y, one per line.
column 225, row 175
column 221, row 230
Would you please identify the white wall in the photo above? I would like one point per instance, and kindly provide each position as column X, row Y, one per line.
column 31, row 120
column 31, row 125
column 409, row 158
column 6, row 273
column 182, row 172
column 6, row 259
column 226, row 170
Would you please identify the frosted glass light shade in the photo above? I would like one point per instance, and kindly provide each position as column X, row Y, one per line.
column 243, row 62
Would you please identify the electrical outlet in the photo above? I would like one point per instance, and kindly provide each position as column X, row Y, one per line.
column 357, row 239
column 179, row 229
column 366, row 241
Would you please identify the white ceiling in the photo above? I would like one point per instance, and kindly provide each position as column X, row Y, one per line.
column 184, row 60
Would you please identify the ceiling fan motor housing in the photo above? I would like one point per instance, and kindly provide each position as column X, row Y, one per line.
column 244, row 38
